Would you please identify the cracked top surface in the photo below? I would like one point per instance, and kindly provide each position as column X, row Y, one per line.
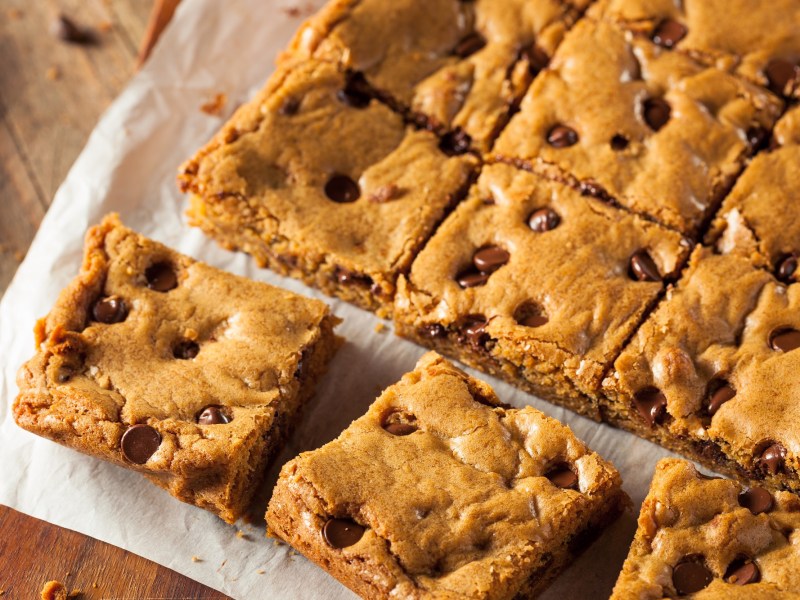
column 657, row 131
column 311, row 161
column 591, row 242
column 461, row 504
column 165, row 357
column 759, row 218
column 459, row 63
column 716, row 327
column 738, row 35
column 709, row 520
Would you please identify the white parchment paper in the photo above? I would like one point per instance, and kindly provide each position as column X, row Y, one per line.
column 129, row 165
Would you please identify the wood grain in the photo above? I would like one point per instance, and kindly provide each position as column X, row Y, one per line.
column 51, row 94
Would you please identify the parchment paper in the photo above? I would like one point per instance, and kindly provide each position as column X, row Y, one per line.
column 129, row 165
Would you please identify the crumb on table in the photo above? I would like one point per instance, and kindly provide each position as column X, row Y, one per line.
column 54, row 590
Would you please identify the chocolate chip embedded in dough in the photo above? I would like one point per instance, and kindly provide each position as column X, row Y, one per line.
column 543, row 220
column 651, row 404
column 784, row 339
column 139, row 443
column 561, row 136
column 757, row 500
column 563, row 476
column 212, row 415
column 341, row 533
column 691, row 575
column 772, row 458
column 719, row 392
column 161, row 277
column 643, row 267
column 356, row 92
column 471, row 278
column 109, row 310
column 656, row 112
column 742, row 571
column 469, row 44
column 456, row 142
column 779, row 73
column 186, row 349
column 340, row 188
column 786, row 270
column 668, row 33
column 490, row 258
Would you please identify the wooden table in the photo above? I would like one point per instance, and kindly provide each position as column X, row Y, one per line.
column 51, row 94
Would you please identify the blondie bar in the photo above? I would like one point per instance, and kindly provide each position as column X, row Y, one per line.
column 531, row 281
column 319, row 181
column 633, row 123
column 440, row 491
column 167, row 366
column 704, row 537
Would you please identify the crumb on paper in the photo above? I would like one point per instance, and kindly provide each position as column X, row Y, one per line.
column 260, row 571
column 197, row 559
column 380, row 327
column 216, row 105
column 54, row 590
column 297, row 12
column 53, row 73
column 277, row 542
column 243, row 536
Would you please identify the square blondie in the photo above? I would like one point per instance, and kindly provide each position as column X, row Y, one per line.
column 530, row 281
column 440, row 491
column 319, row 181
column 635, row 124
column 705, row 537
column 457, row 67
column 161, row 364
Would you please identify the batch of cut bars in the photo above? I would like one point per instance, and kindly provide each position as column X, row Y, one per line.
column 599, row 204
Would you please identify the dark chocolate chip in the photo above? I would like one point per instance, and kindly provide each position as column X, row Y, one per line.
column 400, row 428
column 536, row 57
column 668, row 33
column 530, row 314
column 111, row 309
column 561, row 136
column 399, row 423
column 67, row 30
column 742, row 571
column 757, row 137
column 757, row 500
column 720, row 391
column 780, row 73
column 619, row 142
column 474, row 328
column 651, row 404
column 691, row 575
column 562, row 476
column 643, row 267
column 139, row 443
column 471, row 278
column 341, row 533
column 347, row 277
column 356, row 92
column 656, row 113
column 186, row 349
column 212, row 415
column 64, row 374
column 455, row 142
column 340, row 188
column 289, row 107
column 787, row 268
column 469, row 44
column 589, row 187
column 490, row 258
column 433, row 330
column 784, row 339
column 543, row 219
column 161, row 277
column 772, row 458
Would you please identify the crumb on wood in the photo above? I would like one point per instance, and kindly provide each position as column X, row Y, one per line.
column 216, row 105
column 105, row 26
column 53, row 73
column 74, row 593
column 197, row 559
column 380, row 327
column 95, row 586
column 54, row 590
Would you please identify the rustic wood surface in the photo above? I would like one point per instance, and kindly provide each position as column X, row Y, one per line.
column 51, row 95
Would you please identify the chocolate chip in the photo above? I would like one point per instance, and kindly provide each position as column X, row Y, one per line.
column 656, row 112
column 212, row 415
column 651, row 404
column 643, row 267
column 67, row 30
column 341, row 533
column 784, row 339
column 469, row 44
column 757, row 137
column 786, row 269
column 530, row 314
column 433, row 330
column 490, row 258
column 348, row 277
column 719, row 392
column 289, row 107
column 563, row 476
column 691, row 575
column 161, row 277
column 186, row 349
column 400, row 428
column 772, row 458
column 561, row 136
column 756, row 499
column 111, row 309
column 356, row 92
column 342, row 189
column 139, row 443
column 455, row 142
column 543, row 219
column 64, row 374
column 474, row 329
column 536, row 57
column 619, row 142
column 668, row 33
column 590, row 187
column 742, row 571
column 471, row 278
column 780, row 73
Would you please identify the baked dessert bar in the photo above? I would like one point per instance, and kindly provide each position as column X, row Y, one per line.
column 757, row 40
column 167, row 366
column 704, row 537
column 630, row 122
column 759, row 219
column 531, row 281
column 456, row 67
column 711, row 372
column 319, row 181
column 440, row 491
